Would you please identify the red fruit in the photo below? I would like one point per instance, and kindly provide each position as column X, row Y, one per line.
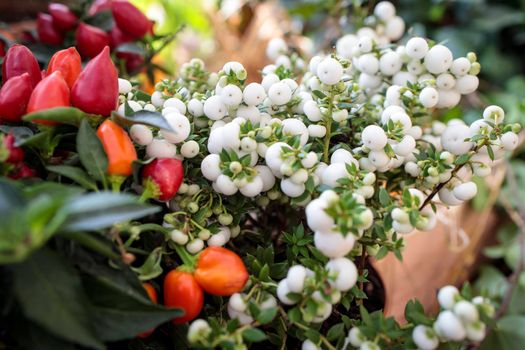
column 14, row 97
column 129, row 19
column 96, row 89
column 47, row 32
column 2, row 48
column 133, row 61
column 182, row 291
column 152, row 294
column 117, row 37
column 119, row 148
column 68, row 62
column 63, row 18
column 21, row 171
column 99, row 5
column 91, row 40
column 167, row 174
column 51, row 92
column 16, row 154
column 220, row 271
column 19, row 60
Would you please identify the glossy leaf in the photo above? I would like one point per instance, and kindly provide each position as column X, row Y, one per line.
column 91, row 152
column 154, row 119
column 76, row 174
column 63, row 115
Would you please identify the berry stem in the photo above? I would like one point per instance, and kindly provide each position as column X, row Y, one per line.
column 187, row 259
column 328, row 136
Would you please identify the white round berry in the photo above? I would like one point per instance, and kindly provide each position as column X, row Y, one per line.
column 189, row 149
column 379, row 158
column 226, row 185
column 403, row 77
column 466, row 311
column 343, row 273
column 428, row 97
column 231, row 95
column 403, row 228
column 214, row 108
column 445, row 81
column 175, row 103
column 295, row 278
column 141, row 134
column 368, row 64
column 465, row 191
column 161, row 149
column 333, row 173
column 316, row 216
column 355, row 337
column 448, row 98
column 217, row 240
column 157, row 99
column 467, row 84
column 269, row 80
column 453, row 139
column 329, row 71
column 280, row 93
column 333, row 244
column 282, row 293
column 181, row 128
column 450, row 327
column 447, row 296
column 179, row 237
column 416, row 48
column 395, row 27
column 195, row 107
column 124, row 86
column 509, row 141
column 425, row 338
column 384, row 10
column 195, row 246
column 291, row 189
column 374, row 137
column 460, row 66
column 237, row 302
column 438, row 59
column 494, row 113
column 253, row 94
column 390, row 63
column 405, row 146
column 276, row 47
column 252, row 188
column 345, row 45
column 476, row 331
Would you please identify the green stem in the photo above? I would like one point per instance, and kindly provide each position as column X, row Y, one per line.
column 116, row 181
column 187, row 259
column 326, row 146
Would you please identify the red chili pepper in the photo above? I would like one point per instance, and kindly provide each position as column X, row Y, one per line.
column 14, row 97
column 167, row 174
column 21, row 171
column 134, row 61
column 96, row 89
column 47, row 31
column 90, row 40
column 182, row 291
column 119, row 148
column 68, row 62
column 99, row 5
column 16, row 154
column 2, row 48
column 63, row 18
column 130, row 19
column 19, row 60
column 117, row 37
column 220, row 271
column 152, row 294
column 51, row 92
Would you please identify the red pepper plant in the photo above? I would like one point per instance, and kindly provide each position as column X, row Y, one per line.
column 91, row 25
column 244, row 213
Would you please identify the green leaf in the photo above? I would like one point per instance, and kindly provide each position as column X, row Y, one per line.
column 154, row 119
column 50, row 294
column 63, row 115
column 76, row 174
column 319, row 94
column 91, row 152
column 508, row 334
column 267, row 315
column 151, row 267
column 384, row 198
column 335, row 332
column 95, row 211
column 131, row 48
column 121, row 313
column 253, row 335
column 462, row 159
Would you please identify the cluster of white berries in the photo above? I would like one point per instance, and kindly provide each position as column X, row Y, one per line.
column 300, row 283
column 459, row 320
column 238, row 306
column 424, row 220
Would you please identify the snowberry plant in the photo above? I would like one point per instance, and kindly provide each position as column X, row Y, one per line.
column 312, row 168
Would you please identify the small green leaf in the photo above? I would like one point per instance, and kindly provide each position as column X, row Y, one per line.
column 319, row 94
column 91, row 152
column 267, row 315
column 335, row 332
column 144, row 117
column 462, row 159
column 253, row 335
column 63, row 115
column 76, row 174
column 384, row 198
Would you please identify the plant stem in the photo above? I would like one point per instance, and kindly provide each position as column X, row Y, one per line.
column 326, row 145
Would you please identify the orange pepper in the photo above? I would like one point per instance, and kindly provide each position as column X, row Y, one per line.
column 152, row 293
column 68, row 62
column 119, row 148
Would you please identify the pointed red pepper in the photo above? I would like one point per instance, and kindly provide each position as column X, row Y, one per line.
column 118, row 147
column 133, row 61
column 47, row 31
column 68, row 62
column 19, row 60
column 98, row 6
column 167, row 174
column 90, row 40
column 14, row 97
column 16, row 154
column 63, row 18
column 96, row 89
column 130, row 19
column 117, row 37
column 22, row 171
column 51, row 92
